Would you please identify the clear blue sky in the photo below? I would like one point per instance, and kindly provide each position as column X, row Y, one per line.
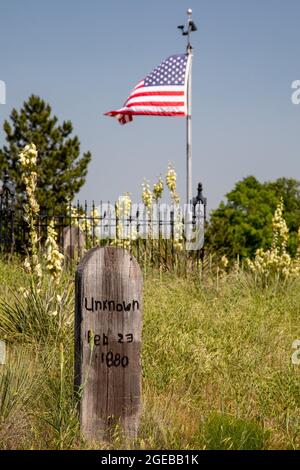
column 83, row 57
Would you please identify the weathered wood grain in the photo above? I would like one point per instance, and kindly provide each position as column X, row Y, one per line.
column 108, row 310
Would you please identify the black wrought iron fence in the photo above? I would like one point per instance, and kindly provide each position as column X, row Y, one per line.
column 166, row 236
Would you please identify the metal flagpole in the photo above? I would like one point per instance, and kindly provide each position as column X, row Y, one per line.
column 189, row 182
column 191, row 27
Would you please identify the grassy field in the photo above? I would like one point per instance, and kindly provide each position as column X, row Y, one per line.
column 217, row 371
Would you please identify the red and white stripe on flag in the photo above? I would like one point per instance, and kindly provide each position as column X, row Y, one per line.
column 162, row 93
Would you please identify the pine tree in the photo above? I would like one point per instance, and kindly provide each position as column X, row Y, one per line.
column 61, row 171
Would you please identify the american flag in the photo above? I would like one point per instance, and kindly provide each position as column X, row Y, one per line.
column 162, row 93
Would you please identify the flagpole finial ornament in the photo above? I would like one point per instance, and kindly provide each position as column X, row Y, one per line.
column 190, row 28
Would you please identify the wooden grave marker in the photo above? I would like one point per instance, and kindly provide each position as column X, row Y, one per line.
column 73, row 243
column 108, row 327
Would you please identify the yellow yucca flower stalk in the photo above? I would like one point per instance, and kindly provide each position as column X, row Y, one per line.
column 280, row 229
column 123, row 206
column 28, row 161
column 95, row 216
column 86, row 224
column 178, row 228
column 147, row 198
column 276, row 260
column 94, row 221
column 54, row 258
column 158, row 189
column 222, row 267
column 123, row 211
column 74, row 214
column 146, row 194
column 171, row 178
column 224, row 262
column 175, row 197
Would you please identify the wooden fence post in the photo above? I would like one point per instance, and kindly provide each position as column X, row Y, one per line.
column 108, row 325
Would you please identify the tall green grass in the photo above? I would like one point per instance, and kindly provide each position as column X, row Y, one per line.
column 216, row 358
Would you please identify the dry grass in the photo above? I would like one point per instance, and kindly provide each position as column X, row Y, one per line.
column 217, row 369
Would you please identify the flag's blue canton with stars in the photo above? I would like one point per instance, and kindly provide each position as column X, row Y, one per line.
column 161, row 93
column 170, row 72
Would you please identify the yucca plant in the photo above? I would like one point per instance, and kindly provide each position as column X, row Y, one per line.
column 37, row 314
column 20, row 388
